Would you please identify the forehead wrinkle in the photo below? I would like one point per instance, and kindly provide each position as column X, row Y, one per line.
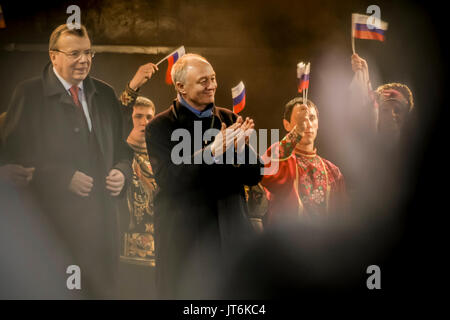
column 75, row 42
column 201, row 71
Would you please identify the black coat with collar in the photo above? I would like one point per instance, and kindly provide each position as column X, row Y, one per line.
column 200, row 208
column 44, row 129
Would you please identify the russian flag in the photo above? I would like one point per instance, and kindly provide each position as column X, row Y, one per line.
column 362, row 29
column 238, row 95
column 171, row 59
column 2, row 19
column 303, row 76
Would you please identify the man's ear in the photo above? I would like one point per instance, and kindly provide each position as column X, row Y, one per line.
column 287, row 125
column 180, row 87
column 52, row 55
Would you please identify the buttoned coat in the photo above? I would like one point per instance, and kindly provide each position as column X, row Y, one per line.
column 46, row 130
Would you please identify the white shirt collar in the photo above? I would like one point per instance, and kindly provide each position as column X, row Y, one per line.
column 66, row 84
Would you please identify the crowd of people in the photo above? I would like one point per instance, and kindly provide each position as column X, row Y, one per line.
column 100, row 169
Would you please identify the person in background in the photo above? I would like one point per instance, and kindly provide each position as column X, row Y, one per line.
column 137, row 251
column 137, row 226
column 392, row 102
column 305, row 185
column 68, row 127
column 200, row 209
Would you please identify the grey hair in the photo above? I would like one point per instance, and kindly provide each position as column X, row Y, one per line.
column 179, row 69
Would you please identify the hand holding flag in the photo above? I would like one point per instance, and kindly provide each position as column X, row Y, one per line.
column 361, row 70
column 143, row 74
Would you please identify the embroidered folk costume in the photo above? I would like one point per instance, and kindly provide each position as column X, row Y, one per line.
column 138, row 238
column 305, row 184
column 139, row 241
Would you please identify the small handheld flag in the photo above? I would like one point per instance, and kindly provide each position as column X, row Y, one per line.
column 303, row 72
column 367, row 27
column 238, row 95
column 2, row 19
column 303, row 76
column 171, row 59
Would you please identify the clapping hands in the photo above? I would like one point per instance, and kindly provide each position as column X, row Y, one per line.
column 232, row 135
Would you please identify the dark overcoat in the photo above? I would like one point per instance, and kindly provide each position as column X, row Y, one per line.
column 200, row 210
column 44, row 129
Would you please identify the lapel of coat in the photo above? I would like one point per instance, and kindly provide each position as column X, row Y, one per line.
column 91, row 92
column 216, row 113
column 53, row 87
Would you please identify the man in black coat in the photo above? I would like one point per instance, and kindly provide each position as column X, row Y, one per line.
column 68, row 127
column 200, row 210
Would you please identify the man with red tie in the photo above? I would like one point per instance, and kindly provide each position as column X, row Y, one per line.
column 68, row 126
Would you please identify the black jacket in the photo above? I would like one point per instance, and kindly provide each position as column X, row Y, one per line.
column 200, row 208
column 44, row 129
column 41, row 128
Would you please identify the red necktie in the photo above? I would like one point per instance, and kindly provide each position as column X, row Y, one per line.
column 74, row 92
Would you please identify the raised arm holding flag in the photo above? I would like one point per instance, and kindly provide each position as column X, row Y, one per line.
column 369, row 28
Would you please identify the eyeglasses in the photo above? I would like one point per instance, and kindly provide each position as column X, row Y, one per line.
column 75, row 55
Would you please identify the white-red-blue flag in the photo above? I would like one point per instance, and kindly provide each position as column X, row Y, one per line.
column 171, row 59
column 368, row 27
column 238, row 95
column 303, row 76
column 2, row 19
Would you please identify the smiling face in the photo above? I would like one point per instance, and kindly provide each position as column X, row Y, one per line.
column 72, row 70
column 142, row 115
column 312, row 124
column 199, row 86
